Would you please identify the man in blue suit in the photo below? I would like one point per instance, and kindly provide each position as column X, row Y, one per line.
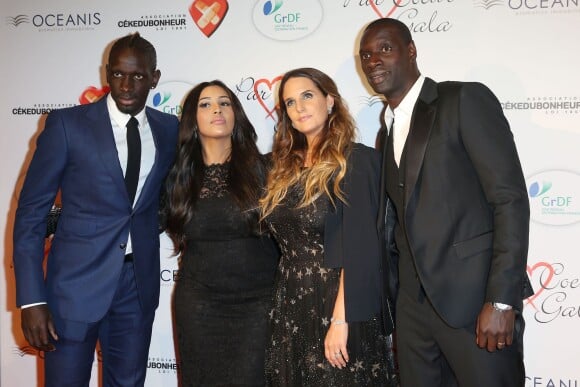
column 109, row 160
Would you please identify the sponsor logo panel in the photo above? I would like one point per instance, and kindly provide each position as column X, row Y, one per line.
column 159, row 22
column 208, row 14
column 554, row 197
column 287, row 20
column 162, row 365
column 547, row 104
column 57, row 21
column 419, row 15
column 530, row 7
column 168, row 96
column 557, row 288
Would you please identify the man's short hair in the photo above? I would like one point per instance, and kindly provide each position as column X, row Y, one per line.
column 402, row 28
column 136, row 42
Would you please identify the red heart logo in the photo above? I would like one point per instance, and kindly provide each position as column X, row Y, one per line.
column 389, row 13
column 269, row 85
column 208, row 14
column 91, row 94
column 545, row 267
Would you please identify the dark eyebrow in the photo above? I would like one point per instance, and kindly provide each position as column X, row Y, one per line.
column 221, row 96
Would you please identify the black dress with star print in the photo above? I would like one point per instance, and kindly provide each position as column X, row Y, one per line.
column 304, row 297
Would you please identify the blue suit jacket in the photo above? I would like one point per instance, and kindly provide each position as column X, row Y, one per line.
column 76, row 153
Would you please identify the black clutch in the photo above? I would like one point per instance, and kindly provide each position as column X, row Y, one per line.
column 52, row 220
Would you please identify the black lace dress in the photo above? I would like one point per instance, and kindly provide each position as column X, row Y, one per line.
column 223, row 293
column 304, row 298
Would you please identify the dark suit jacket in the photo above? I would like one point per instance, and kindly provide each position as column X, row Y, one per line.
column 351, row 240
column 76, row 153
column 465, row 202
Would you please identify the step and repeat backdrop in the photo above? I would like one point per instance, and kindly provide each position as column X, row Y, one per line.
column 526, row 51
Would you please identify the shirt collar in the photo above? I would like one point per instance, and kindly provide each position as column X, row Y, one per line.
column 408, row 103
column 121, row 118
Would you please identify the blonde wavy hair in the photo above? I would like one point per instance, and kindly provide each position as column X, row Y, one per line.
column 328, row 156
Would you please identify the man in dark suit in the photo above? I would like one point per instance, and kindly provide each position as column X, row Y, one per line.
column 109, row 160
column 458, row 202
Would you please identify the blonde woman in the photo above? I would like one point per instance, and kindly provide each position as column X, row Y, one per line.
column 330, row 319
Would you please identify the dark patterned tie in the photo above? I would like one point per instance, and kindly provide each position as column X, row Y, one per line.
column 133, row 158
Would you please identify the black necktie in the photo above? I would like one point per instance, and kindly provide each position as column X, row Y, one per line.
column 133, row 157
column 390, row 152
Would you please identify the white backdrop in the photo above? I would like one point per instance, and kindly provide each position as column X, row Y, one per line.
column 526, row 51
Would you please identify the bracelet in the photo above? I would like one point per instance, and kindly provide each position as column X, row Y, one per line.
column 337, row 322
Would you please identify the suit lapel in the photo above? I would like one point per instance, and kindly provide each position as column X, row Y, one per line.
column 421, row 125
column 156, row 132
column 382, row 144
column 104, row 141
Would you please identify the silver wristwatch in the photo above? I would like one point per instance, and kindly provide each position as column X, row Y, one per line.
column 501, row 307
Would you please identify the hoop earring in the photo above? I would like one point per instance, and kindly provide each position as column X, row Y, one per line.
column 195, row 132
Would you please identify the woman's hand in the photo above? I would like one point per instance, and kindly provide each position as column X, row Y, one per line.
column 337, row 335
column 335, row 344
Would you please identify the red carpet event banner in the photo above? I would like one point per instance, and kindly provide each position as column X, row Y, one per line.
column 524, row 50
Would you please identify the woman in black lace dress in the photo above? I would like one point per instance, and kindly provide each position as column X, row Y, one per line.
column 330, row 318
column 227, row 264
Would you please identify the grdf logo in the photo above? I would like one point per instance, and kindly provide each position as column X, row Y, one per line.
column 537, row 190
column 271, row 7
column 160, row 98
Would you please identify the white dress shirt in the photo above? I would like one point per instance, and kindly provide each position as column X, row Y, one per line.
column 402, row 117
column 118, row 122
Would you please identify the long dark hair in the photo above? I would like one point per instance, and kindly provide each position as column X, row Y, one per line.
column 246, row 167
